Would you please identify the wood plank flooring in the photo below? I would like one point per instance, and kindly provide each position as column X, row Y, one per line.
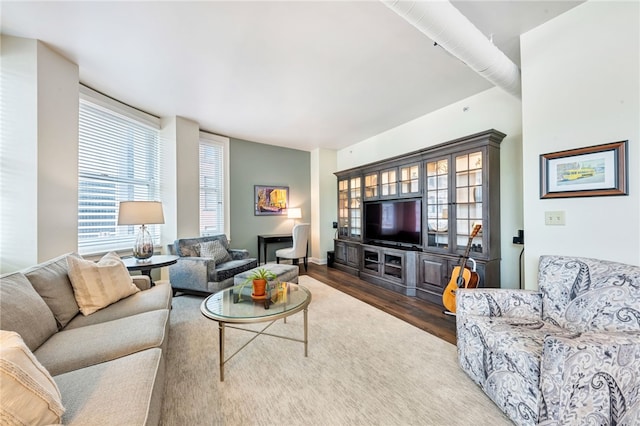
column 424, row 315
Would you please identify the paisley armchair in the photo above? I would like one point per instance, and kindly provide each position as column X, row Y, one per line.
column 568, row 354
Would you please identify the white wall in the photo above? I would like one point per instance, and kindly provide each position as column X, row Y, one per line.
column 18, row 153
column 580, row 87
column 39, row 154
column 324, row 203
column 58, row 111
column 181, row 179
column 491, row 109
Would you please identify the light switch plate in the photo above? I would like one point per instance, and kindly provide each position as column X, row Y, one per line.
column 554, row 218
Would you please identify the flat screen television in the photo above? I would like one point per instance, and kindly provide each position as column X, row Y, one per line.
column 397, row 221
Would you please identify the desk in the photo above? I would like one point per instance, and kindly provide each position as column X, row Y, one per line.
column 265, row 240
column 145, row 266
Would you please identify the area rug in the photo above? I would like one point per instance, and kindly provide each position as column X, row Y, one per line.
column 365, row 367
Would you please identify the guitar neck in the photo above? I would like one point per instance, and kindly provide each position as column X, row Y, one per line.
column 465, row 256
column 463, row 260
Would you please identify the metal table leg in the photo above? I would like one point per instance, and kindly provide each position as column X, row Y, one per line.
column 306, row 340
column 221, row 338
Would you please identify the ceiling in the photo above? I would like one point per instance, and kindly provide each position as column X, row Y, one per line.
column 298, row 74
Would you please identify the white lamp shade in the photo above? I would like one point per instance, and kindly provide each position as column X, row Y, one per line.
column 140, row 213
column 295, row 213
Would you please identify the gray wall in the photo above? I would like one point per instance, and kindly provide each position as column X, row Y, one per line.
column 252, row 164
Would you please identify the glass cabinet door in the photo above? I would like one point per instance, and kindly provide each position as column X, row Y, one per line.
column 409, row 180
column 437, row 203
column 371, row 260
column 349, row 208
column 355, row 200
column 343, row 208
column 468, row 200
column 389, row 182
column 393, row 267
column 371, row 186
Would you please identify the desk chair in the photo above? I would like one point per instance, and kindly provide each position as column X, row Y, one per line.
column 300, row 245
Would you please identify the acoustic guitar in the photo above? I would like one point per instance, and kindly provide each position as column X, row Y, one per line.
column 462, row 276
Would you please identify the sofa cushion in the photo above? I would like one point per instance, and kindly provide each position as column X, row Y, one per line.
column 22, row 310
column 157, row 297
column 502, row 355
column 214, row 250
column 102, row 342
column 97, row 285
column 125, row 391
column 28, row 393
column 51, row 281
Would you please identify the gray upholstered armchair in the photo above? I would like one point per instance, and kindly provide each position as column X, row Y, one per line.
column 568, row 354
column 207, row 264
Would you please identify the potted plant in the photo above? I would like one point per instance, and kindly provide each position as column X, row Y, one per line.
column 259, row 278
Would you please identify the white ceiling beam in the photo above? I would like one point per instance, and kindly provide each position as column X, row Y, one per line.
column 450, row 29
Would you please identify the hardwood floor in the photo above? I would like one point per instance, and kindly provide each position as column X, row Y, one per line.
column 424, row 315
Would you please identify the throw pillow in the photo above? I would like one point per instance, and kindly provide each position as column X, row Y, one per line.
column 187, row 247
column 51, row 281
column 97, row 285
column 214, row 250
column 22, row 310
column 28, row 393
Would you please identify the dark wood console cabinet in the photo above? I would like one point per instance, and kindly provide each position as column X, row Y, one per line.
column 385, row 266
column 347, row 256
column 458, row 185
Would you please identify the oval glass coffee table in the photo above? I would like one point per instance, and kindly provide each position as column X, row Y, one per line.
column 222, row 308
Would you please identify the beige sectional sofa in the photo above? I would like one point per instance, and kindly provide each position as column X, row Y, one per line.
column 108, row 365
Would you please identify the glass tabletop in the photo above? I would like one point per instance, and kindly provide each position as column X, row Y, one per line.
column 222, row 306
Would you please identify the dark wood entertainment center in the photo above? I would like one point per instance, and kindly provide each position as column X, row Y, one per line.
column 457, row 184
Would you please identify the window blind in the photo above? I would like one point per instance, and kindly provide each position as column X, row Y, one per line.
column 212, row 184
column 118, row 160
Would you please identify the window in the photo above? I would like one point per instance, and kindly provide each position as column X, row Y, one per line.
column 118, row 160
column 213, row 194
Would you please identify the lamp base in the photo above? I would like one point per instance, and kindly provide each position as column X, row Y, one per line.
column 143, row 248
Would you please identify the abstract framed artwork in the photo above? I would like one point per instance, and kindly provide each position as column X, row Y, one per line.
column 597, row 170
column 270, row 200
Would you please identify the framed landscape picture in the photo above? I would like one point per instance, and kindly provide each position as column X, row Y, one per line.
column 585, row 172
column 270, row 200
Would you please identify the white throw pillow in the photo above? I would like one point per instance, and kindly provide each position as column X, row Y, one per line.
column 28, row 393
column 97, row 285
column 214, row 250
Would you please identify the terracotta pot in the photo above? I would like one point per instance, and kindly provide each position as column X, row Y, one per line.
column 259, row 287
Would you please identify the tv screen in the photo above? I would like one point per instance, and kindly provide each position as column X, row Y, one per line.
column 396, row 221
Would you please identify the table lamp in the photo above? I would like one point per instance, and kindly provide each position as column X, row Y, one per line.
column 294, row 213
column 141, row 213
